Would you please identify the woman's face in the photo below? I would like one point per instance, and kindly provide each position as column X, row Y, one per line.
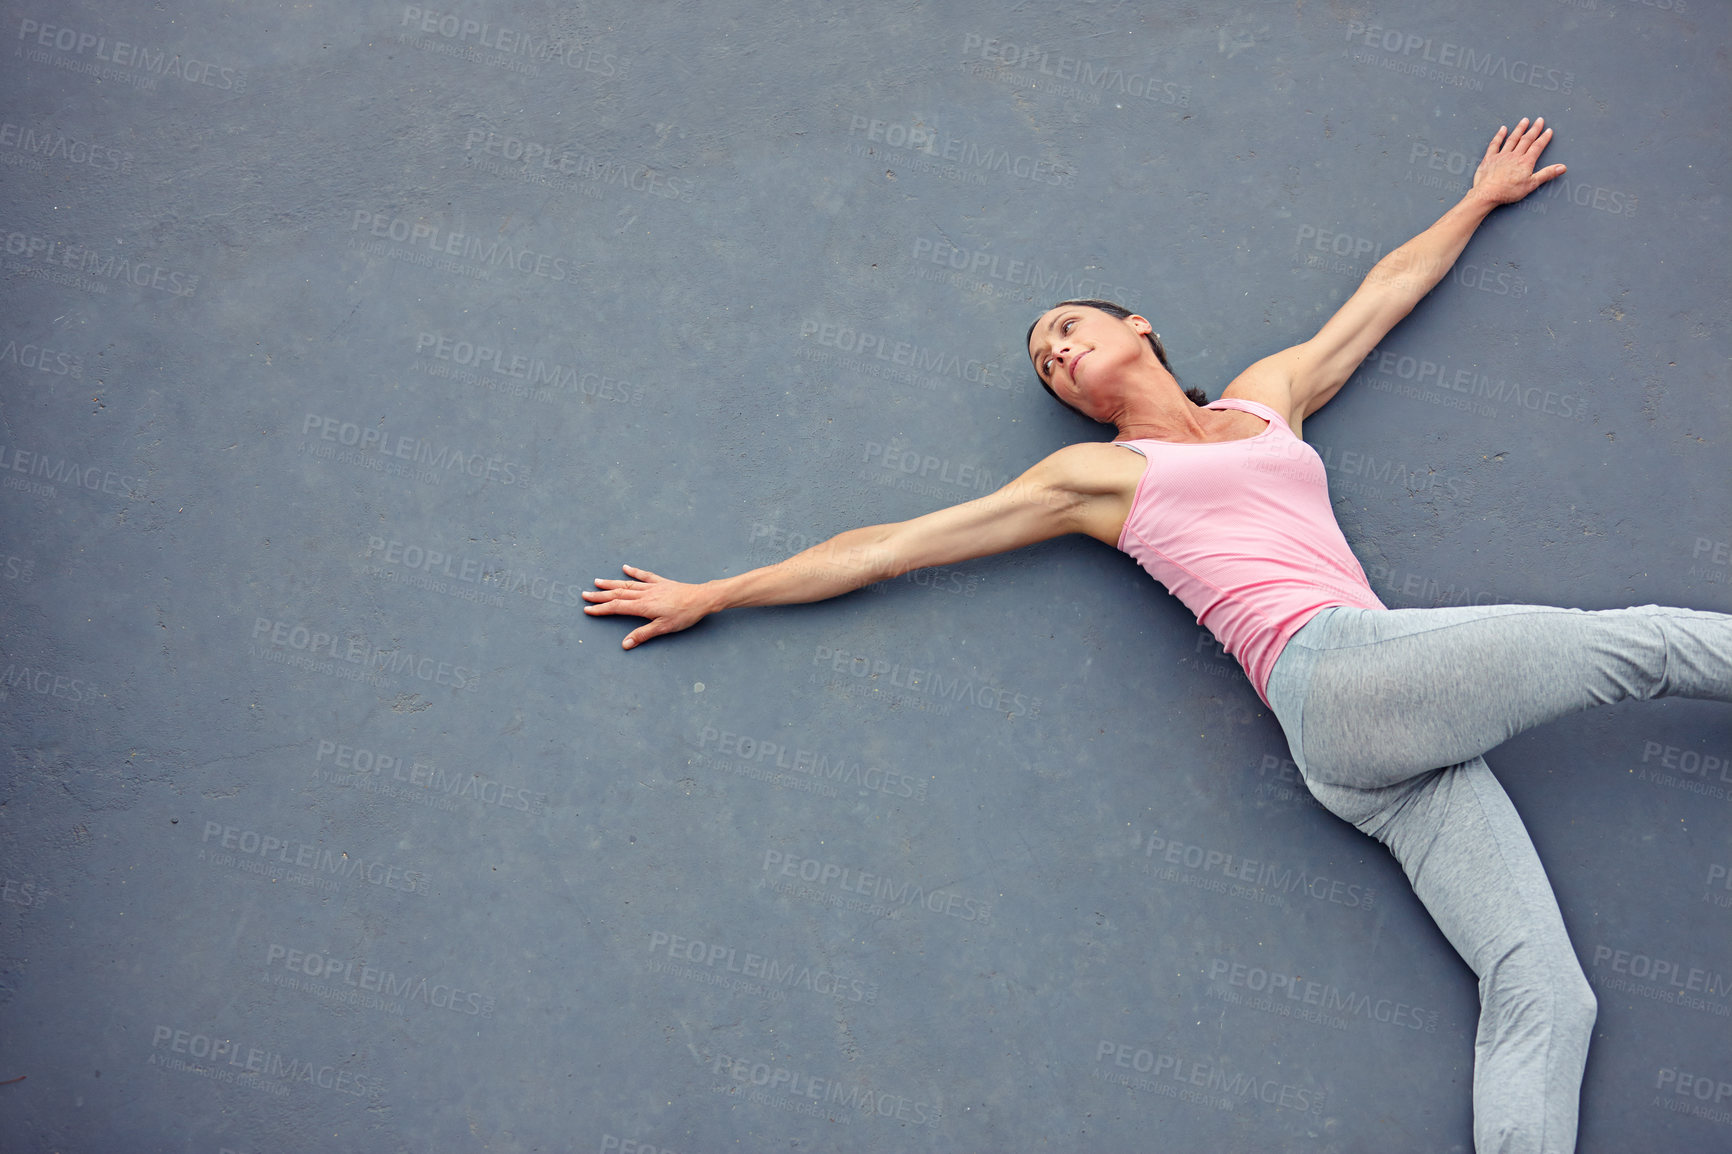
column 1075, row 346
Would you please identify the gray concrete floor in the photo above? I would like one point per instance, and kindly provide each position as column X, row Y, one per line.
column 345, row 343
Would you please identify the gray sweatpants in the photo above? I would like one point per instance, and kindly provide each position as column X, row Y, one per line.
column 1387, row 713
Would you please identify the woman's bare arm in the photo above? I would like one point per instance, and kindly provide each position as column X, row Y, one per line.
column 1049, row 500
column 1315, row 371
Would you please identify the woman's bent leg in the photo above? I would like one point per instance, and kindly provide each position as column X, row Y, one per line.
column 1395, row 692
column 1370, row 700
column 1471, row 863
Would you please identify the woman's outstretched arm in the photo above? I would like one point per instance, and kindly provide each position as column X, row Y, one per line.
column 1316, row 370
column 1054, row 497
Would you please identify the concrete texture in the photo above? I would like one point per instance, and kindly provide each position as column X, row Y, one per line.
column 344, row 343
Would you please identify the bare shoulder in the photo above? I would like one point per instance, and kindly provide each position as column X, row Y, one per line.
column 1098, row 480
column 1092, row 468
column 1270, row 382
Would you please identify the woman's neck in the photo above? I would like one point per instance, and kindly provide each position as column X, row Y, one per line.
column 1162, row 419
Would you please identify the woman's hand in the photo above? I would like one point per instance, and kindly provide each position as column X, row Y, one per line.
column 670, row 605
column 1507, row 172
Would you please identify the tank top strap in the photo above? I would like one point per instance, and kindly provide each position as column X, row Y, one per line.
column 1255, row 408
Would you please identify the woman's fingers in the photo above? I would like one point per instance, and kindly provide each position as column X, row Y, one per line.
column 609, row 590
column 635, row 578
column 1511, row 169
column 642, row 634
column 1538, row 138
column 669, row 605
column 616, row 600
column 1526, row 134
column 656, row 626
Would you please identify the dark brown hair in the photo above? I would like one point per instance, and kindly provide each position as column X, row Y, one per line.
column 1197, row 396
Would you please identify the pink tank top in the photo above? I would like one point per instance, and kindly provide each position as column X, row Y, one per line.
column 1243, row 533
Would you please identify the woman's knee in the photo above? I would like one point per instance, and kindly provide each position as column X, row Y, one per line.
column 1576, row 1001
column 1535, row 980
